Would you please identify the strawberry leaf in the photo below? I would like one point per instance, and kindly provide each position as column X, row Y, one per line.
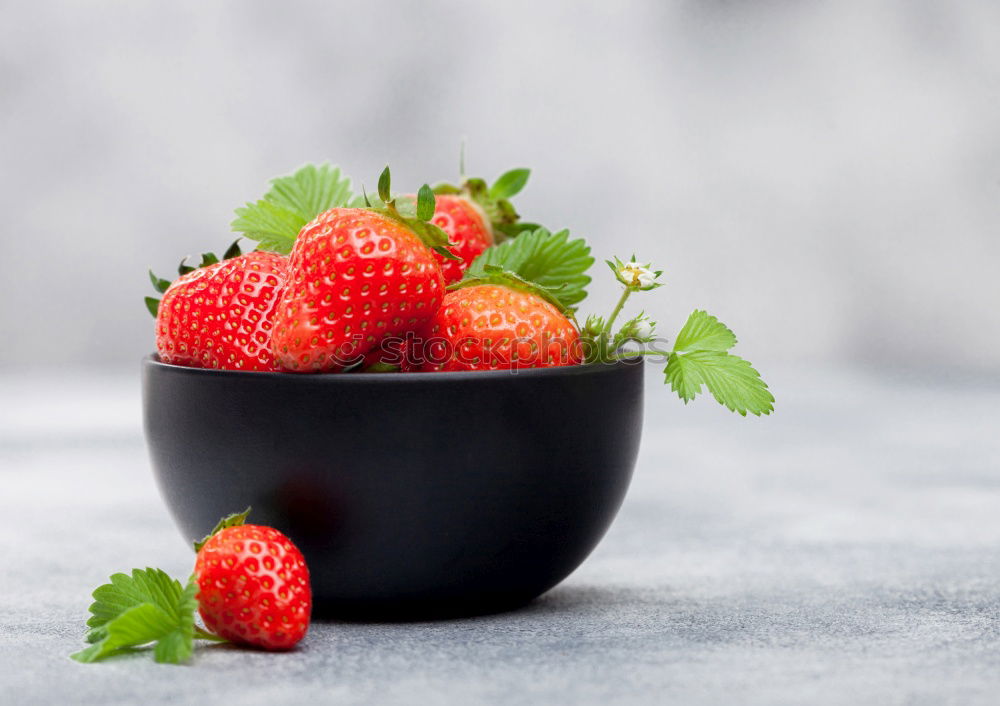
column 272, row 226
column 152, row 305
column 134, row 610
column 550, row 260
column 704, row 332
column 292, row 201
column 700, row 358
column 311, row 190
column 731, row 380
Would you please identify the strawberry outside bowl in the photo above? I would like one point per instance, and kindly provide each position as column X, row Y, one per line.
column 411, row 495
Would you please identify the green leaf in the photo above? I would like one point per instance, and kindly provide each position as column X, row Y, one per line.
column 704, row 332
column 152, row 305
column 136, row 626
column 275, row 220
column 425, row 203
column 509, row 184
column 208, row 258
column 133, row 610
column 234, row 520
column 125, row 591
column 310, row 191
column 272, row 226
column 178, row 644
column 551, row 260
column 731, row 380
column 383, row 185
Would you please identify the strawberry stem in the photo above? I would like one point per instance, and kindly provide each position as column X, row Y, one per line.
column 617, row 310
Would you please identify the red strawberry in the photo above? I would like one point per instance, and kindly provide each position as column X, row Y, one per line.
column 498, row 326
column 220, row 315
column 253, row 587
column 355, row 276
column 476, row 215
column 465, row 223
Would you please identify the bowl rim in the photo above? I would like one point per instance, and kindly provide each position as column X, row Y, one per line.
column 152, row 361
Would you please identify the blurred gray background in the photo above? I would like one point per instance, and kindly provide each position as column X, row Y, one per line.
column 824, row 177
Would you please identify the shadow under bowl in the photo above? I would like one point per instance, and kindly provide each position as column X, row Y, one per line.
column 412, row 495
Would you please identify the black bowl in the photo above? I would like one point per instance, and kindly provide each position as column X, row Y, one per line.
column 411, row 495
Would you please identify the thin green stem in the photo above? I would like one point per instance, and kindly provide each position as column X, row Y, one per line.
column 617, row 310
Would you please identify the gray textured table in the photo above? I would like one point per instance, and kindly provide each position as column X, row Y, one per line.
column 846, row 550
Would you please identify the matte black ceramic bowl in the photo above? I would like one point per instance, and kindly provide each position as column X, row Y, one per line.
column 411, row 495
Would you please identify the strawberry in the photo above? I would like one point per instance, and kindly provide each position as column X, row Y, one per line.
column 253, row 585
column 468, row 231
column 475, row 216
column 357, row 275
column 498, row 322
column 220, row 315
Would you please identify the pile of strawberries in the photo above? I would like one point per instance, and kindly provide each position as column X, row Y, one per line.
column 445, row 279
column 343, row 283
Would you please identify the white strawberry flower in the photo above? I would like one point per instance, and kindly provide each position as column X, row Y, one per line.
column 635, row 276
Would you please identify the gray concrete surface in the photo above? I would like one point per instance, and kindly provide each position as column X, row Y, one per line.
column 845, row 551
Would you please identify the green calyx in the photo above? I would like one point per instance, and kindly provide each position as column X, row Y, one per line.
column 234, row 520
column 208, row 258
column 415, row 214
column 495, row 200
column 493, row 274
